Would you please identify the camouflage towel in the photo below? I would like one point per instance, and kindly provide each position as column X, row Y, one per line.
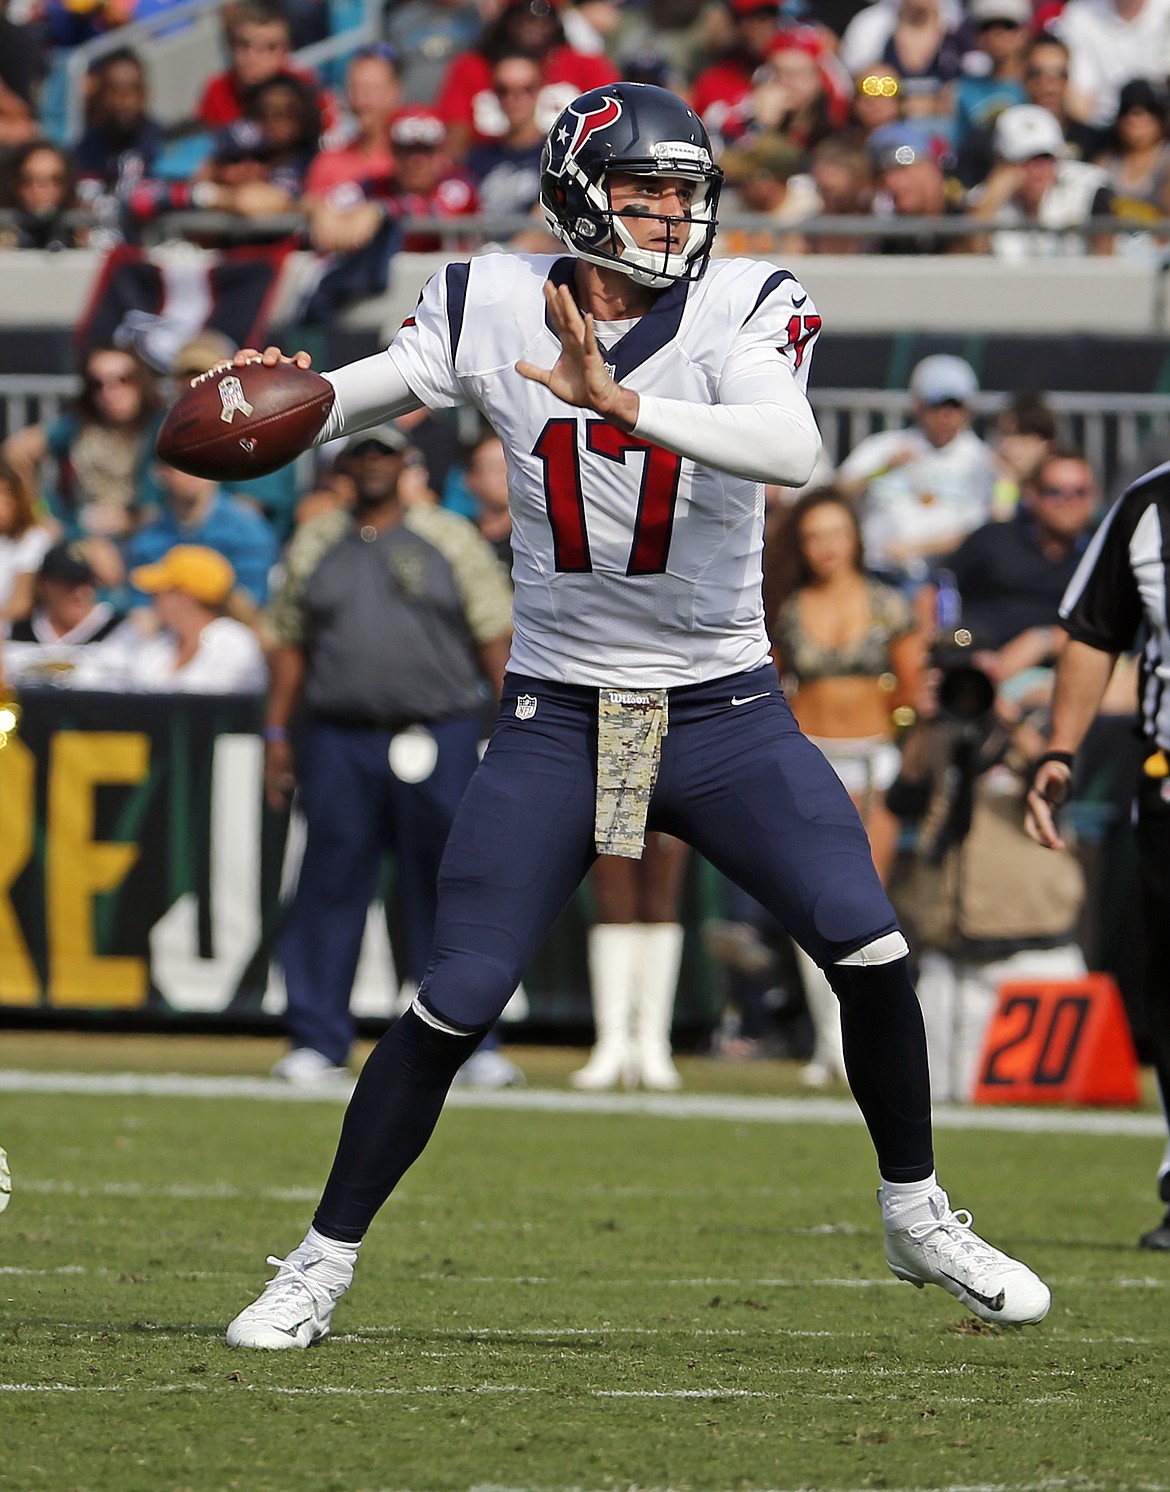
column 630, row 728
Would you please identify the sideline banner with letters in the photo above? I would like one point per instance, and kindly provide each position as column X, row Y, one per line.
column 140, row 873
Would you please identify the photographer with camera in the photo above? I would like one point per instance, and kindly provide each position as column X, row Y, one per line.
column 982, row 904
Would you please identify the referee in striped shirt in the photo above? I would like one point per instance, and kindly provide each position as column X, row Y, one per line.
column 1121, row 585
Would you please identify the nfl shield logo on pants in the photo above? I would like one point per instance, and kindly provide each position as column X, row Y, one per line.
column 525, row 706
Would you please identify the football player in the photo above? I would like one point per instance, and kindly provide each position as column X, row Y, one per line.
column 643, row 396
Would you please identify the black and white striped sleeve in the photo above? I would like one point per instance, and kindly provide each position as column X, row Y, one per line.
column 1102, row 606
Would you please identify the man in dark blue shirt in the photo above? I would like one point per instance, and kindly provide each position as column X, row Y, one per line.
column 1011, row 576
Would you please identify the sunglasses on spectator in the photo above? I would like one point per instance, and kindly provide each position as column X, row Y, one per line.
column 508, row 90
column 998, row 23
column 1062, row 492
column 878, row 85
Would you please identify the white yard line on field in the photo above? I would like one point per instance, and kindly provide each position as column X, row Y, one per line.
column 757, row 1110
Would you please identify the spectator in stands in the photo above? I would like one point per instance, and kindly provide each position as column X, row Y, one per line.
column 486, row 478
column 908, row 158
column 790, row 95
column 1110, row 42
column 1034, row 187
column 100, row 451
column 844, row 182
column 922, row 489
column 426, row 35
column 921, row 38
column 1136, row 160
column 260, row 163
column 195, row 647
column 1024, row 432
column 1046, row 78
column 765, row 175
column 425, row 184
column 981, row 904
column 373, row 95
column 466, row 102
column 260, row 46
column 507, row 169
column 22, row 69
column 1046, row 85
column 878, row 100
column 40, row 188
column 199, row 513
column 23, row 543
column 725, row 82
column 121, row 140
column 682, row 34
column 66, row 617
column 850, row 654
column 1002, row 31
column 1011, row 575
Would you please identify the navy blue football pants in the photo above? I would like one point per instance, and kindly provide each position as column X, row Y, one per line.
column 737, row 781
column 356, row 809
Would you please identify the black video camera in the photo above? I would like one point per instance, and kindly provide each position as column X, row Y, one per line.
column 966, row 694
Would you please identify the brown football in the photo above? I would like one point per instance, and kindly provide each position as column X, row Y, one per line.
column 242, row 422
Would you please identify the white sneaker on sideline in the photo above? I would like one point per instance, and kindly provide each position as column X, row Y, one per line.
column 295, row 1307
column 945, row 1251
column 5, row 1181
column 490, row 1069
column 303, row 1067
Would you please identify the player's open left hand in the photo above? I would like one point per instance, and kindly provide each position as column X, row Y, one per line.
column 580, row 376
column 1048, row 791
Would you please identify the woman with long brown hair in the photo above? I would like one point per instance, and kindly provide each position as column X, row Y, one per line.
column 100, row 451
column 850, row 656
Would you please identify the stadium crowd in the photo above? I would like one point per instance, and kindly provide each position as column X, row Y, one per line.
column 117, row 572
column 1030, row 119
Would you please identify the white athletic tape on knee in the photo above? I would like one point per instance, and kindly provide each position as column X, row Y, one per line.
column 433, row 1020
column 884, row 950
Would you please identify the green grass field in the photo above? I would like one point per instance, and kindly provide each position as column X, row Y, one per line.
column 556, row 1300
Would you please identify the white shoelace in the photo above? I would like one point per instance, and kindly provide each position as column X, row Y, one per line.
column 293, row 1282
column 958, row 1242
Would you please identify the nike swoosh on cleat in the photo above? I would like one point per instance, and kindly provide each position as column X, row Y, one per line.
column 750, row 697
column 993, row 1303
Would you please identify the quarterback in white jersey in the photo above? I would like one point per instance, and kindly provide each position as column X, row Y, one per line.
column 642, row 398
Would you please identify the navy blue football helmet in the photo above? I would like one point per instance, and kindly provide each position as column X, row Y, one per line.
column 640, row 129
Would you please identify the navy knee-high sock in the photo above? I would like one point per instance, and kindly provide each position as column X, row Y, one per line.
column 885, row 1056
column 391, row 1116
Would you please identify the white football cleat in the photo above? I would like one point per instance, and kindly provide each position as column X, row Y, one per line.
column 5, row 1181
column 296, row 1306
column 945, row 1251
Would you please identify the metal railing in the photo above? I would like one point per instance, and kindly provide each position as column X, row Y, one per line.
column 1111, row 429
column 479, row 228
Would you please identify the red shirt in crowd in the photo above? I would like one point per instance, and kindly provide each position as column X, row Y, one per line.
column 466, row 97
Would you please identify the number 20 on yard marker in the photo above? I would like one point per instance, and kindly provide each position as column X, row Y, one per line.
column 1059, row 1041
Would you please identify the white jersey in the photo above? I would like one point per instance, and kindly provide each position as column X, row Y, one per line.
column 633, row 566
